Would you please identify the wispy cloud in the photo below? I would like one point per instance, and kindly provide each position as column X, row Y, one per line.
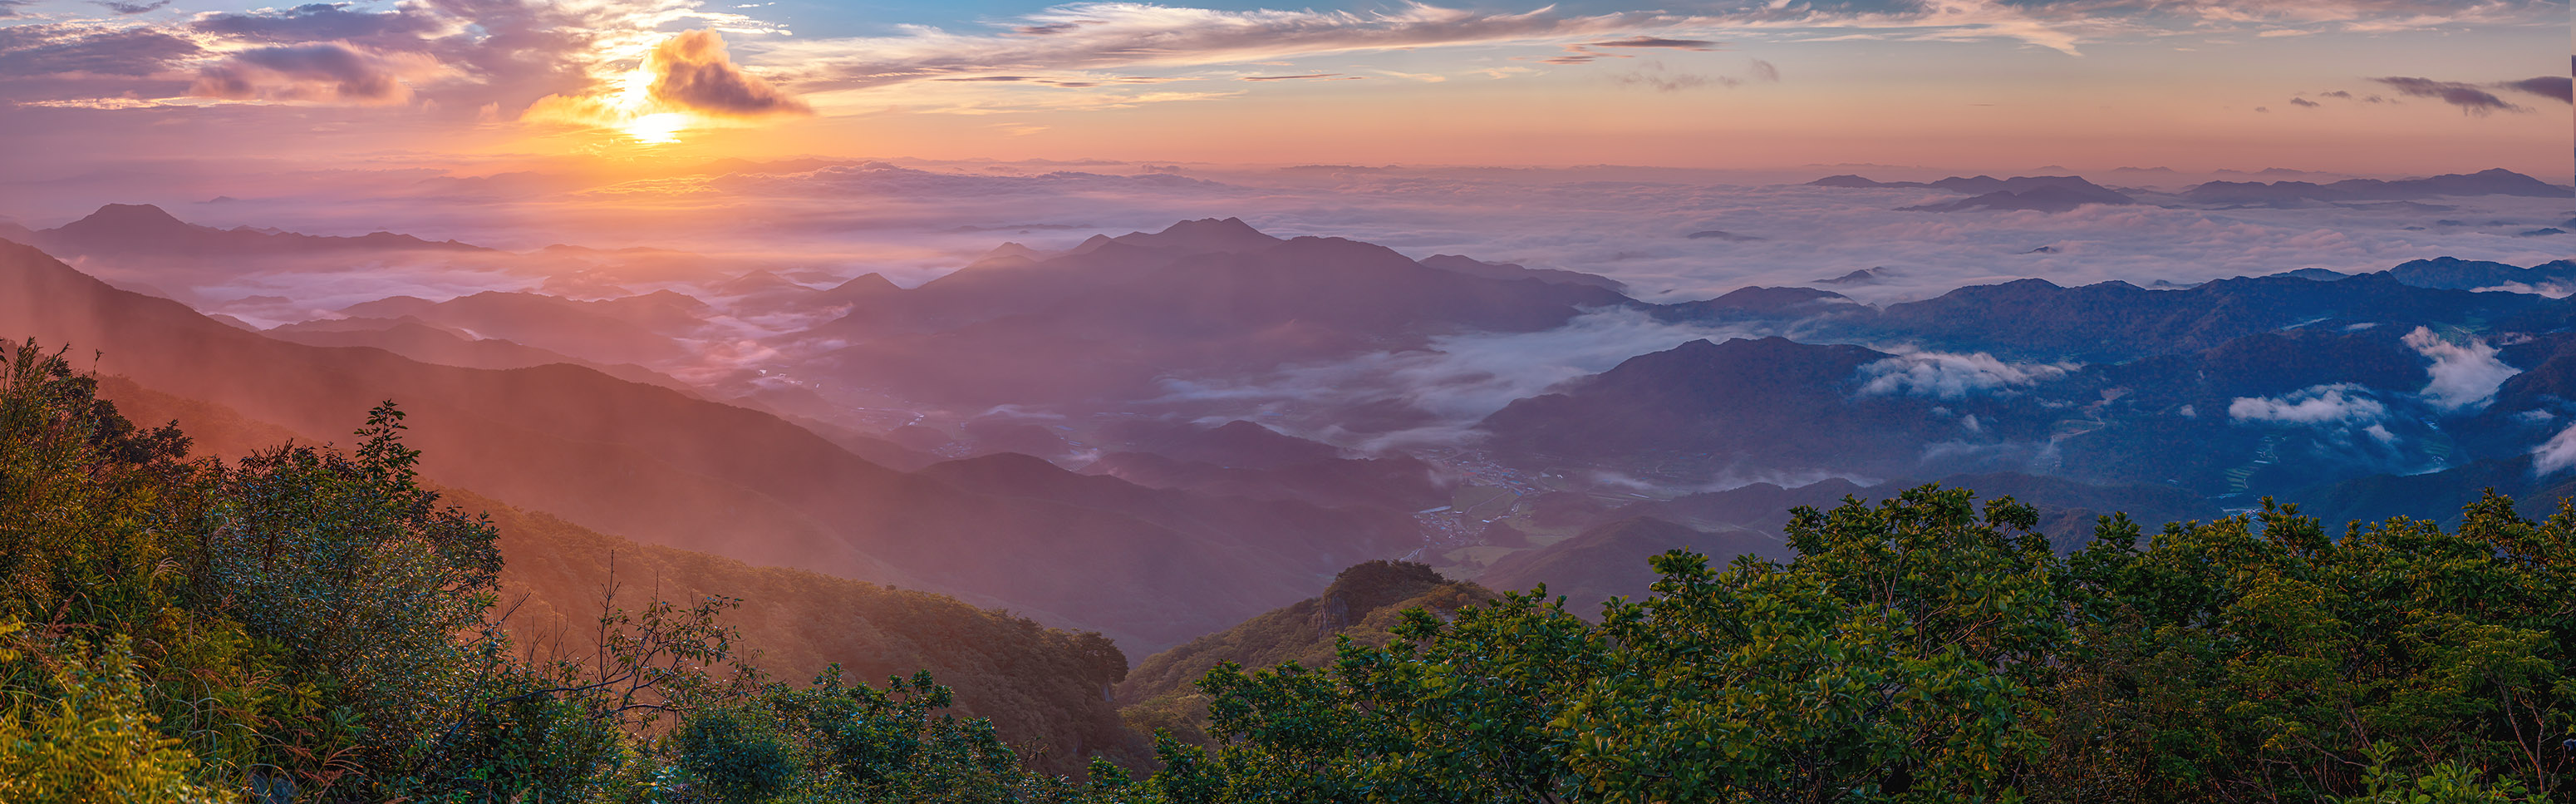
column 2317, row 406
column 1307, row 77
column 1945, row 375
column 2465, row 375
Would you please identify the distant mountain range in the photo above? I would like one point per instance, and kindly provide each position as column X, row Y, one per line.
column 144, row 229
column 663, row 467
column 2064, row 193
column 2496, row 181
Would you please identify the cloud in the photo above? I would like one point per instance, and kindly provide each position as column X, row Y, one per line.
column 1674, row 83
column 1458, row 380
column 1104, row 35
column 1654, row 75
column 2316, row 406
column 2056, row 26
column 75, row 49
column 685, row 81
column 9, row 8
column 2305, row 103
column 130, row 8
column 2465, row 375
column 1658, row 42
column 1308, row 77
column 2468, row 97
column 2556, row 454
column 1068, row 82
column 2558, row 87
column 2353, row 15
column 330, row 22
column 323, row 73
column 691, row 70
column 1944, row 375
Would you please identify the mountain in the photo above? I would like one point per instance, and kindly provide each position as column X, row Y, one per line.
column 618, row 331
column 1508, row 271
column 1243, row 459
column 2045, row 198
column 1775, row 401
column 419, row 340
column 1854, row 181
column 1758, row 303
column 1761, row 507
column 2495, row 181
column 2042, row 193
column 1114, row 324
column 662, row 467
column 1364, row 603
column 144, row 229
column 2113, row 321
column 2457, row 274
column 1611, row 560
column 1203, row 236
column 1040, row 686
column 2255, row 193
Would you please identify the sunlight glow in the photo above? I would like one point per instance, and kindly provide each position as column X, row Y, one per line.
column 658, row 128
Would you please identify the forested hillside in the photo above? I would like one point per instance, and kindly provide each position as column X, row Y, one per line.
column 1044, row 689
column 312, row 624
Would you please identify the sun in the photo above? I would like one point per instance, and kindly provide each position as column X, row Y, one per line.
column 658, row 128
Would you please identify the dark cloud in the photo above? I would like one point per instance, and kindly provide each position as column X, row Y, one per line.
column 1650, row 41
column 693, row 71
column 59, row 49
column 329, row 73
column 2468, row 97
column 1763, row 71
column 318, row 22
column 9, row 8
column 130, row 8
column 2305, row 102
column 2557, row 87
column 2336, row 94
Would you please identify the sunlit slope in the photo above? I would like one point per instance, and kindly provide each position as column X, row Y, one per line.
column 661, row 467
column 1040, row 686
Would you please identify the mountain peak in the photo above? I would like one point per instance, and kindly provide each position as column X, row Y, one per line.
column 1204, row 227
column 129, row 219
column 1201, row 236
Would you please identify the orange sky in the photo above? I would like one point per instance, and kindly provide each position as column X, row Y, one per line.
column 1965, row 84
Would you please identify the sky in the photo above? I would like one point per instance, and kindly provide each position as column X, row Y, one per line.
column 92, row 88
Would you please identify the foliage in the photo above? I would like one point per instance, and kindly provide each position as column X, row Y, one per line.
column 87, row 736
column 1925, row 649
column 1365, row 603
